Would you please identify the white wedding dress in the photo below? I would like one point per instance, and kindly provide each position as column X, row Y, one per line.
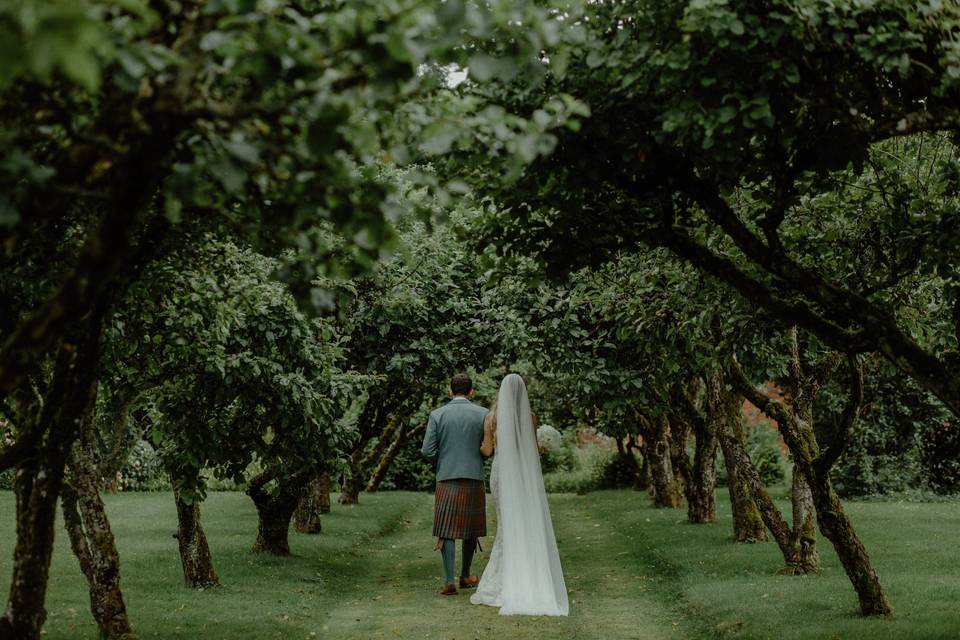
column 523, row 575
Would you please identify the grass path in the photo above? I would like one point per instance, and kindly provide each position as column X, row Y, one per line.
column 606, row 593
column 371, row 574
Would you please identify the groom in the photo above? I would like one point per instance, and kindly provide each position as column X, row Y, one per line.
column 452, row 445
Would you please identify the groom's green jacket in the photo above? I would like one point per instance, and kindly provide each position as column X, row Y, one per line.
column 453, row 438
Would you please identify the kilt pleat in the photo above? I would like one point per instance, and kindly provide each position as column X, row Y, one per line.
column 460, row 509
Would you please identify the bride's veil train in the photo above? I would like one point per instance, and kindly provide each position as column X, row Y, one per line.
column 523, row 575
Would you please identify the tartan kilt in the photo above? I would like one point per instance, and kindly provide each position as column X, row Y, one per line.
column 460, row 509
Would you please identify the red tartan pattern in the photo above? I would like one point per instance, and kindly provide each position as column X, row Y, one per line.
column 460, row 510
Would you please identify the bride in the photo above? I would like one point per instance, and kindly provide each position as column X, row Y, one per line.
column 523, row 575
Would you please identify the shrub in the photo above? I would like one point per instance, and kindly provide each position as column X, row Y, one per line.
column 6, row 480
column 142, row 470
column 409, row 471
column 559, row 459
column 587, row 473
column 619, row 472
column 939, row 455
column 903, row 443
column 860, row 472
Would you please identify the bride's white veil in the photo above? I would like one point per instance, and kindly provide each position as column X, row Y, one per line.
column 532, row 577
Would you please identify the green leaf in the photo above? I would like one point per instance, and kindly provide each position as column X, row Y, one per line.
column 595, row 58
column 83, row 68
column 9, row 215
column 438, row 137
column 243, row 151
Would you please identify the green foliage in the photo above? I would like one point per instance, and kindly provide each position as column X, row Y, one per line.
column 557, row 460
column 862, row 473
column 132, row 130
column 803, row 155
column 409, row 471
column 143, row 470
column 620, row 472
column 232, row 368
column 940, row 458
column 43, row 37
column 902, row 441
column 6, row 479
column 589, row 471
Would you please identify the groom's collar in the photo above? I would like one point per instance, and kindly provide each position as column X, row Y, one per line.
column 459, row 399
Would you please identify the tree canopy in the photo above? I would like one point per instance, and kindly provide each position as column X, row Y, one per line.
column 263, row 234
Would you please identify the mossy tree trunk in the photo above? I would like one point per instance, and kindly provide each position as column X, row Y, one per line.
column 92, row 540
column 373, row 421
column 700, row 489
column 306, row 517
column 68, row 403
column 771, row 517
column 351, row 485
column 804, row 525
column 195, row 557
column 815, row 463
column 377, row 420
column 275, row 509
column 838, row 529
column 679, row 437
column 323, row 490
column 666, row 491
column 402, row 439
column 724, row 412
column 643, row 475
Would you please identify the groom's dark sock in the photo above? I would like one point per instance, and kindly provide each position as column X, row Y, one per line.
column 448, row 550
column 469, row 546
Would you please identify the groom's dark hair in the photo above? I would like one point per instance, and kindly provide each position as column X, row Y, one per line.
column 461, row 384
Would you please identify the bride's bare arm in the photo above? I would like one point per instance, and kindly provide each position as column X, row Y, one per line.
column 489, row 436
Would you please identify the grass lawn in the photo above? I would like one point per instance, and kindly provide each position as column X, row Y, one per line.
column 632, row 571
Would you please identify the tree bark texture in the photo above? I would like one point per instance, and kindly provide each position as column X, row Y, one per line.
column 376, row 421
column 275, row 510
column 701, row 473
column 838, row 529
column 350, row 487
column 67, row 404
column 724, row 411
column 804, row 525
column 195, row 557
column 701, row 490
column 778, row 526
column 666, row 491
column 92, row 540
column 373, row 421
column 679, row 436
column 402, row 439
column 815, row 464
column 323, row 497
column 306, row 517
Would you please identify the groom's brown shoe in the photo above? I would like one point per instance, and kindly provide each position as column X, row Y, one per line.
column 449, row 590
column 469, row 582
